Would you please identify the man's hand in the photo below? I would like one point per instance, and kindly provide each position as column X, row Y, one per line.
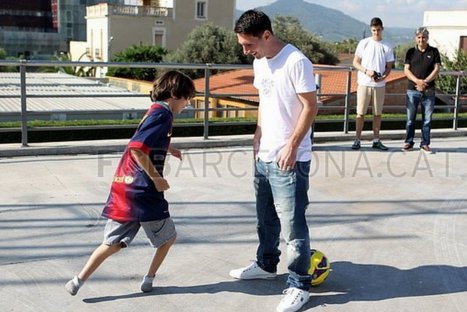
column 420, row 85
column 287, row 158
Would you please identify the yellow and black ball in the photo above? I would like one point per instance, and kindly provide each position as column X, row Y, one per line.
column 320, row 267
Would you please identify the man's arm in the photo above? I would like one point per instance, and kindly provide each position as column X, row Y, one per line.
column 357, row 64
column 387, row 70
column 288, row 155
column 433, row 74
column 257, row 135
column 420, row 84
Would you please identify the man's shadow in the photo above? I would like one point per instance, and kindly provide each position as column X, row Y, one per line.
column 347, row 282
column 370, row 282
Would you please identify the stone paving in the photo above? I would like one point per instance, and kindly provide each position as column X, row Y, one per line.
column 392, row 223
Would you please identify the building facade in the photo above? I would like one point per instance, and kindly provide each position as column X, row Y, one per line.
column 41, row 28
column 448, row 30
column 113, row 28
column 27, row 29
column 69, row 17
column 100, row 28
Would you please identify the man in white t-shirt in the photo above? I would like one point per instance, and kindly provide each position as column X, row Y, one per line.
column 282, row 150
column 374, row 58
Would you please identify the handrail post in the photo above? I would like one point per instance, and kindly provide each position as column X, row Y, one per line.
column 24, row 117
column 206, row 102
column 347, row 101
column 455, row 121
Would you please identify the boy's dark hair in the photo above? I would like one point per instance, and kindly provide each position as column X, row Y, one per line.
column 376, row 21
column 253, row 22
column 172, row 84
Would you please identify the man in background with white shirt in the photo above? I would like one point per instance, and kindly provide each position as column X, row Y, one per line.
column 374, row 58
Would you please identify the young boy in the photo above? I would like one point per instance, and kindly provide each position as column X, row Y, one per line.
column 136, row 197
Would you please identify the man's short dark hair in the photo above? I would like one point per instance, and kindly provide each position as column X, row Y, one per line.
column 253, row 22
column 376, row 21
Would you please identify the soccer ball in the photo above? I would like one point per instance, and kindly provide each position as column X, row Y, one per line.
column 319, row 267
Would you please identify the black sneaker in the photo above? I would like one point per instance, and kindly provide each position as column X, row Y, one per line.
column 380, row 146
column 356, row 145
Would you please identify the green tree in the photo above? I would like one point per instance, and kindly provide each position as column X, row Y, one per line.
column 80, row 71
column 208, row 43
column 347, row 45
column 213, row 44
column 399, row 54
column 4, row 56
column 290, row 30
column 135, row 53
column 447, row 83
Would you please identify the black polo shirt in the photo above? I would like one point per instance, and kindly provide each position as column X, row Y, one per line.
column 422, row 64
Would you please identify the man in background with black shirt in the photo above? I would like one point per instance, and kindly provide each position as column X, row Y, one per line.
column 422, row 65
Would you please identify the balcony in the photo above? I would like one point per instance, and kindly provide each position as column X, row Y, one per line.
column 104, row 9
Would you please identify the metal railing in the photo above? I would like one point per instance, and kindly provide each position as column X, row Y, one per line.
column 208, row 68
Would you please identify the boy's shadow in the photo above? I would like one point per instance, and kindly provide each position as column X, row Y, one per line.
column 347, row 282
column 252, row 287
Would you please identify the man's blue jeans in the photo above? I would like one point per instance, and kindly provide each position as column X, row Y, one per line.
column 427, row 101
column 281, row 201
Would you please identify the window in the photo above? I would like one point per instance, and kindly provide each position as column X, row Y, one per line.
column 201, row 10
column 463, row 43
column 159, row 37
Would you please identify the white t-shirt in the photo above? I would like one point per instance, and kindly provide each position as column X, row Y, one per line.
column 374, row 55
column 278, row 80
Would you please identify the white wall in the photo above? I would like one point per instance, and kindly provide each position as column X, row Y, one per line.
column 446, row 28
column 78, row 51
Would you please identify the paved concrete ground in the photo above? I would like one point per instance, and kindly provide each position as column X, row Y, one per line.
column 392, row 223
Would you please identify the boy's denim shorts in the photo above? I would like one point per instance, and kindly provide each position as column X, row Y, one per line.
column 158, row 232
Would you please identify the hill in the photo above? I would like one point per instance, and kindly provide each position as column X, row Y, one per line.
column 330, row 24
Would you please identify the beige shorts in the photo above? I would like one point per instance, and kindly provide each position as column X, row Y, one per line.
column 365, row 95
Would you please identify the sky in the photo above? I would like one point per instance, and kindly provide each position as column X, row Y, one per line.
column 394, row 13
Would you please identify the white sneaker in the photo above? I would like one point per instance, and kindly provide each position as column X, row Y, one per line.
column 146, row 284
column 293, row 300
column 73, row 285
column 253, row 271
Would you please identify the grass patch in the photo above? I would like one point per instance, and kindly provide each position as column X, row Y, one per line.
column 213, row 120
column 109, row 122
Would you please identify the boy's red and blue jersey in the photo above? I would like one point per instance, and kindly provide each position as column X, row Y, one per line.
column 133, row 195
